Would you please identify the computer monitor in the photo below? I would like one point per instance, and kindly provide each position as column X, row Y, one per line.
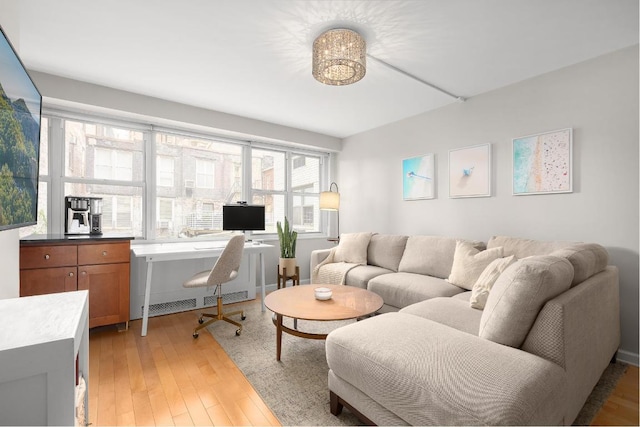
column 243, row 217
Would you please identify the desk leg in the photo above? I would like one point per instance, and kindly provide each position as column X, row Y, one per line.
column 262, row 279
column 147, row 297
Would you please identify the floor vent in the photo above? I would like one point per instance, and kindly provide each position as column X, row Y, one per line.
column 226, row 298
column 170, row 307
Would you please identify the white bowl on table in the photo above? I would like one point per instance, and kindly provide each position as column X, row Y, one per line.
column 322, row 294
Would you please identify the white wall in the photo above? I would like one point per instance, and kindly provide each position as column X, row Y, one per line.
column 597, row 98
column 9, row 264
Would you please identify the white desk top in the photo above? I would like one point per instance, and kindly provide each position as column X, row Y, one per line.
column 180, row 250
column 39, row 319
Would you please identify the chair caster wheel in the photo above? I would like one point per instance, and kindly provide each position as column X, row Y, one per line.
column 195, row 335
column 243, row 317
column 238, row 332
column 201, row 320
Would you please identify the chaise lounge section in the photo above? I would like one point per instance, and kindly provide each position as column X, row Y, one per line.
column 531, row 355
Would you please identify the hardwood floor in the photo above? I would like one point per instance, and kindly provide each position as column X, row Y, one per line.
column 168, row 378
column 621, row 409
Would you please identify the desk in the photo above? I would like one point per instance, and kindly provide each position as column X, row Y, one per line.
column 156, row 252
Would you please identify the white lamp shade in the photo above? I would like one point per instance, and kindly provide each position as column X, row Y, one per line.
column 329, row 201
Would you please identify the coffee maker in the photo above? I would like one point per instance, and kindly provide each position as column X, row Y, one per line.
column 82, row 215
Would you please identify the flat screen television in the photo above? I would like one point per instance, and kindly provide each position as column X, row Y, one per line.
column 243, row 217
column 20, row 115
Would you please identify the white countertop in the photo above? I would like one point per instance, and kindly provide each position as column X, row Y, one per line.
column 39, row 319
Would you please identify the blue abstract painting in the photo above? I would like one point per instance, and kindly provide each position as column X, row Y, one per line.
column 418, row 178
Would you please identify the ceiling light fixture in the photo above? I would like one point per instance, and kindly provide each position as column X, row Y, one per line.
column 339, row 57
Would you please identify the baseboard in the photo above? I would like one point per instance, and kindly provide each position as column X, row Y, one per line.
column 628, row 357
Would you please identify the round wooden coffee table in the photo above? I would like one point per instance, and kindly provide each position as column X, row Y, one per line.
column 299, row 302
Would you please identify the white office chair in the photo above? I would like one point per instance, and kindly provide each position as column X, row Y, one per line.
column 224, row 270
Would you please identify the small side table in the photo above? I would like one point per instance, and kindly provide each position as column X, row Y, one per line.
column 282, row 278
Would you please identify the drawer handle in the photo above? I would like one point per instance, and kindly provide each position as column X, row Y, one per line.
column 47, row 256
column 71, row 274
column 104, row 253
column 84, row 272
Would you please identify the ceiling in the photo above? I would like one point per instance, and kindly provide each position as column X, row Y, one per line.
column 252, row 58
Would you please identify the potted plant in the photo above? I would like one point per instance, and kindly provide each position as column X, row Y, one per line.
column 287, row 237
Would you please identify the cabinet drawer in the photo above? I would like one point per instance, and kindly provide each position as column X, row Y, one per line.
column 48, row 256
column 105, row 253
column 42, row 281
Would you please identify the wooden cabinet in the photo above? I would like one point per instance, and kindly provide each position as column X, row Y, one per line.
column 101, row 267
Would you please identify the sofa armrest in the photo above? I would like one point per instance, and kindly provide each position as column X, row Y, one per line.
column 580, row 331
column 427, row 373
column 317, row 257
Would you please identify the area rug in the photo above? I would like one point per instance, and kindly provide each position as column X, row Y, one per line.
column 296, row 388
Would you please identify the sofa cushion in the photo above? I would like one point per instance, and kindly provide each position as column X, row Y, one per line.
column 469, row 263
column 448, row 311
column 463, row 296
column 403, row 289
column 430, row 255
column 487, row 279
column 587, row 259
column 360, row 275
column 352, row 248
column 519, row 294
column 523, row 248
column 386, row 250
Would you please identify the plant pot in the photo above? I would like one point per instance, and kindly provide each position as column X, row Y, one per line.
column 289, row 264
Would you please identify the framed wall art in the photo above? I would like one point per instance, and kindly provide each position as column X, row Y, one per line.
column 418, row 177
column 543, row 163
column 470, row 171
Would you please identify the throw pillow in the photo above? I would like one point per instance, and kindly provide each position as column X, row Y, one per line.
column 518, row 296
column 352, row 248
column 488, row 277
column 469, row 263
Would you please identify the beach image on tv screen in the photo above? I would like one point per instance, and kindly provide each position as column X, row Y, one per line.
column 20, row 104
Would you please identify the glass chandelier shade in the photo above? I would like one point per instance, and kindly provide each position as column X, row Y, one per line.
column 339, row 57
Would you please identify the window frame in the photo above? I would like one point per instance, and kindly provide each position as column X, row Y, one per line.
column 56, row 178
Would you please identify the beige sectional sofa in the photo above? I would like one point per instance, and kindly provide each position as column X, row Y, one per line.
column 532, row 355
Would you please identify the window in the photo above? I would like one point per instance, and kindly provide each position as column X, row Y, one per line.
column 117, row 213
column 113, row 164
column 305, row 183
column 190, row 178
column 106, row 161
column 204, row 173
column 196, row 203
column 272, row 174
column 165, row 167
column 268, row 172
column 298, row 161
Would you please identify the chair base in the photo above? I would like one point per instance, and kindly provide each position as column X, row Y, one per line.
column 219, row 316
